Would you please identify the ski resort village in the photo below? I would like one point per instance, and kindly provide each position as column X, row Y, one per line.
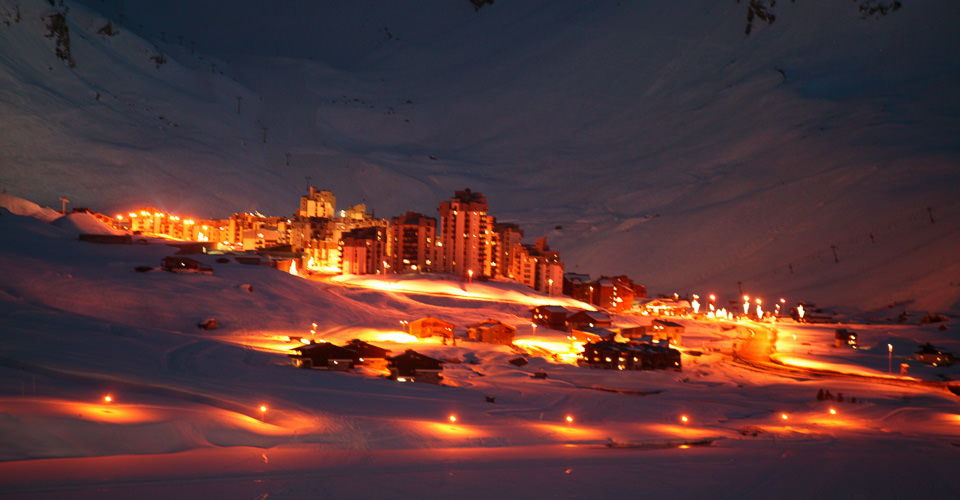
column 476, row 249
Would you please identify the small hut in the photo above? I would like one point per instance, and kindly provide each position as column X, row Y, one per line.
column 411, row 366
column 492, row 331
column 431, row 327
column 324, row 356
column 369, row 354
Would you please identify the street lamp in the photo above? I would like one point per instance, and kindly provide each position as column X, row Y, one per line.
column 550, row 287
column 469, row 275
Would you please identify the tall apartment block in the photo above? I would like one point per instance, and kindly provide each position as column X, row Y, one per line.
column 413, row 243
column 466, row 240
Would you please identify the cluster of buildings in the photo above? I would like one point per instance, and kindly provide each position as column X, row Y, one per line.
column 407, row 367
column 238, row 233
column 464, row 240
column 490, row 331
column 616, row 294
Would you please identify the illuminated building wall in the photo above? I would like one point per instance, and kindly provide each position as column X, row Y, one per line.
column 318, row 204
column 363, row 251
column 412, row 243
column 509, row 236
column 466, row 236
column 537, row 267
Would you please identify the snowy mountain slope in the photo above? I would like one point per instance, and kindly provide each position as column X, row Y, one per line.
column 77, row 323
column 664, row 143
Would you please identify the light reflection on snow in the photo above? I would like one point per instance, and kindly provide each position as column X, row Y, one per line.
column 565, row 350
column 684, row 431
column 474, row 290
column 446, row 429
column 800, row 362
column 570, row 431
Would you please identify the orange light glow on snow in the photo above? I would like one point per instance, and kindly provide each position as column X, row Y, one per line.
column 813, row 364
column 567, row 431
column 477, row 290
column 398, row 337
column 682, row 430
column 447, row 430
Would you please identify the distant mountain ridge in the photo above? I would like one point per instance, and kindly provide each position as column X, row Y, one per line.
column 761, row 156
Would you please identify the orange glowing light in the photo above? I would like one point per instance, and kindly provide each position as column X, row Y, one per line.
column 569, row 419
column 263, row 408
column 784, row 416
column 453, row 418
column 108, row 399
column 684, row 419
column 833, row 411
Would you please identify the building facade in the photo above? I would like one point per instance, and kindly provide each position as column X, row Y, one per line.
column 413, row 243
column 363, row 251
column 465, row 247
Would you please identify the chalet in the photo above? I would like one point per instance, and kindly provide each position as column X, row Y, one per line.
column 591, row 334
column 368, row 354
column 367, row 351
column 492, row 332
column 634, row 332
column 411, row 366
column 177, row 264
column 591, row 319
column 324, row 356
column 550, row 316
column 843, row 337
column 629, row 356
column 933, row 356
column 664, row 331
column 663, row 307
column 430, row 327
